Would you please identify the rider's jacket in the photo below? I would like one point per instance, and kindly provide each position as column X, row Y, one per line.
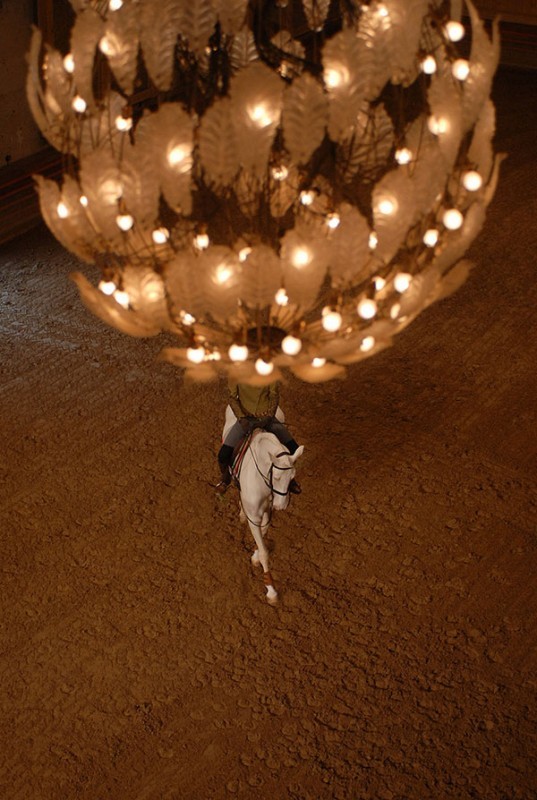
column 254, row 401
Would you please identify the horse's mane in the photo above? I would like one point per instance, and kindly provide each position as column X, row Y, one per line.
column 273, row 443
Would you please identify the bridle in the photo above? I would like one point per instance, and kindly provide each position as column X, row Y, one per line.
column 268, row 480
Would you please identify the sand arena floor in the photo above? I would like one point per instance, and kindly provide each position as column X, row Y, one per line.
column 139, row 660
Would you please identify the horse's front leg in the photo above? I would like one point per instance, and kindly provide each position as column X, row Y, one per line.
column 260, row 555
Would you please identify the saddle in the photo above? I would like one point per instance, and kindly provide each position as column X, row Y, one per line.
column 238, row 455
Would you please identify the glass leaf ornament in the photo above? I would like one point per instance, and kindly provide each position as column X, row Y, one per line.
column 299, row 179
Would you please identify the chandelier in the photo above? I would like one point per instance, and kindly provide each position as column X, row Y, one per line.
column 281, row 184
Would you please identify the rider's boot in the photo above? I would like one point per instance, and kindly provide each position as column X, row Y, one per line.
column 224, row 460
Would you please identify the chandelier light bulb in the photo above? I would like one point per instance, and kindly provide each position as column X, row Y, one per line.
column 122, row 298
column 196, row 354
column 366, row 308
column 331, row 320
column 123, row 124
column 261, row 115
column 472, row 180
column 186, row 318
column 373, row 240
column 201, row 241
column 238, row 352
column 69, row 63
column 368, row 343
column 301, row 257
column 394, row 310
column 460, row 69
column 281, row 297
column 291, row 345
column 106, row 47
column 115, row 5
column 430, row 237
column 83, row 200
column 428, row 65
column 452, row 219
column 160, row 235
column 318, row 362
column 280, row 173
column 403, row 155
column 333, row 221
column 222, row 274
column 244, row 253
column 438, row 125
column 379, row 283
column 307, row 197
column 402, row 281
column 125, row 221
column 454, row 31
column 107, row 287
column 179, row 158
column 263, row 367
column 336, row 76
column 387, row 206
column 62, row 210
column 79, row 104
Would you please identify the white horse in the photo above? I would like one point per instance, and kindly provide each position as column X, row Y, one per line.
column 265, row 474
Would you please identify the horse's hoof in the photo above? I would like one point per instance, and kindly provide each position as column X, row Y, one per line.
column 272, row 601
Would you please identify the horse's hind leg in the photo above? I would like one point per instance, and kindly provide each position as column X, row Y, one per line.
column 260, row 556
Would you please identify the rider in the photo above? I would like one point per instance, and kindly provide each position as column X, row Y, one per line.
column 254, row 407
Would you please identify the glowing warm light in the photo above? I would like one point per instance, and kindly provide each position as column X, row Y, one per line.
column 452, row 219
column 160, row 235
column 186, row 318
column 428, row 65
column 472, row 180
column 179, row 157
column 318, row 362
column 403, row 155
column 107, row 287
column 367, row 344
column 366, row 308
column 331, row 320
column 291, row 345
column 281, row 297
column 244, row 253
column 238, row 352
column 106, row 46
column 382, row 11
column 438, row 125
column 62, row 210
column 301, row 257
column 223, row 273
column 402, row 281
column 387, row 206
column 83, row 200
column 430, row 237
column 115, row 5
column 373, row 240
column 454, row 30
column 122, row 298
column 69, row 63
column 333, row 221
column 123, row 124
column 460, row 69
column 261, row 115
column 394, row 310
column 125, row 221
column 336, row 76
column 201, row 241
column 379, row 283
column 263, row 367
column 280, row 173
column 307, row 197
column 79, row 104
column 196, row 354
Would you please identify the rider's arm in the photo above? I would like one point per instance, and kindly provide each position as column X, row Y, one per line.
column 234, row 401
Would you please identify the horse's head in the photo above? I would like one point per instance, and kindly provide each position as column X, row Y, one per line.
column 283, row 470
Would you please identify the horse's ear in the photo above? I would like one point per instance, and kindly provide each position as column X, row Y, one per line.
column 298, row 452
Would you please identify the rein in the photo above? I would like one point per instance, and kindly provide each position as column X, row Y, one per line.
column 268, row 483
